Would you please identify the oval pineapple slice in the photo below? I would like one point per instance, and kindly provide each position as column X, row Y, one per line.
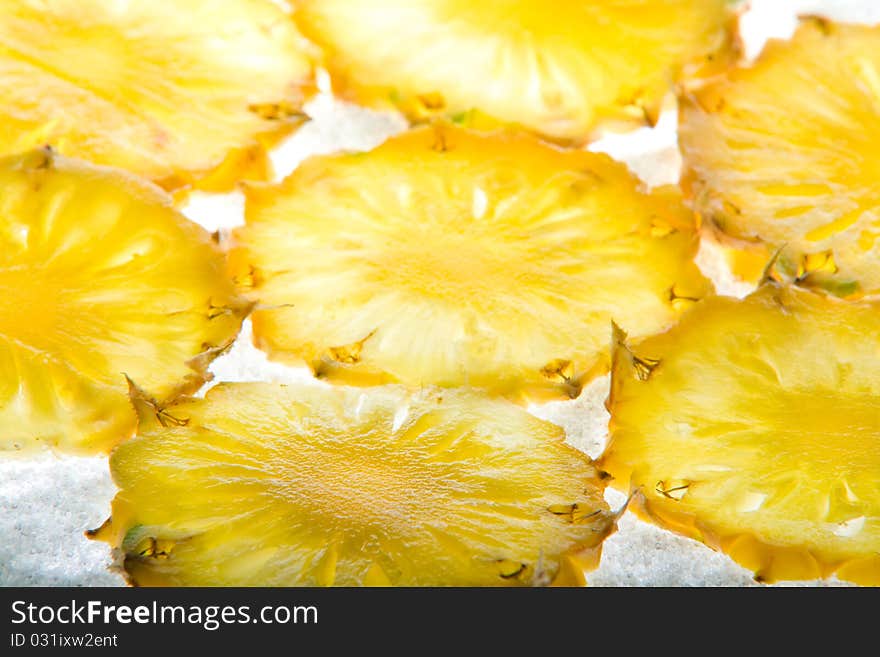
column 100, row 278
column 784, row 152
column 451, row 257
column 267, row 485
column 173, row 91
column 561, row 71
column 754, row 425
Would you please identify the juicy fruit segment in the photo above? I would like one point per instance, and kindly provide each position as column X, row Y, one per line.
column 266, row 485
column 99, row 279
column 754, row 426
column 785, row 152
column 170, row 91
column 561, row 73
column 496, row 262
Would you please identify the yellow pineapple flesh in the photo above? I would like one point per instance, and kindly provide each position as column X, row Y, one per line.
column 100, row 278
column 451, row 257
column 562, row 70
column 176, row 92
column 266, row 485
column 754, row 426
column 783, row 154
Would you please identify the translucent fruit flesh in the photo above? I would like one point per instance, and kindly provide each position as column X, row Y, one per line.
column 562, row 73
column 496, row 262
column 266, row 485
column 784, row 154
column 754, row 425
column 175, row 92
column 99, row 279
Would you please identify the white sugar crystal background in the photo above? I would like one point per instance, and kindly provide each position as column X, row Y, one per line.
column 46, row 502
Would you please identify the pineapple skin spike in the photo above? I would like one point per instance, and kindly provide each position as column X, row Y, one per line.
column 542, row 77
column 488, row 500
column 174, row 94
column 496, row 237
column 806, row 541
column 102, row 283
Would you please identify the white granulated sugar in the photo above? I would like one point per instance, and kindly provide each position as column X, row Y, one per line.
column 584, row 419
column 47, row 502
column 244, row 362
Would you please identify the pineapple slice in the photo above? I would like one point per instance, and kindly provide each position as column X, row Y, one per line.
column 267, row 485
column 560, row 70
column 99, row 278
column 784, row 153
column 173, row 91
column 754, row 426
column 451, row 257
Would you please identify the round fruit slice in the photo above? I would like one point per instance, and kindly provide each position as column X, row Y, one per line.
column 784, row 153
column 452, row 257
column 99, row 279
column 173, row 91
column 267, row 485
column 754, row 426
column 561, row 70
